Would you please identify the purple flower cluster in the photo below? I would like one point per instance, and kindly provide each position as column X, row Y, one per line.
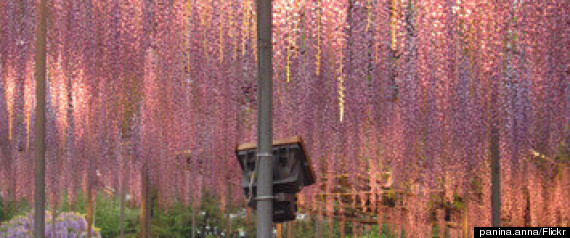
column 67, row 224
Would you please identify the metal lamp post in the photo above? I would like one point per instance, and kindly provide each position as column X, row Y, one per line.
column 264, row 196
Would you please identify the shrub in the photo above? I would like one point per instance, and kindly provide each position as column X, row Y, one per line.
column 67, row 224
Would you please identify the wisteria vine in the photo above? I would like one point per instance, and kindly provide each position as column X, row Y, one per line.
column 372, row 86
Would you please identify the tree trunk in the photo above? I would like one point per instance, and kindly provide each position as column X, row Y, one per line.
column 53, row 218
column 495, row 156
column 122, row 209
column 40, row 73
column 89, row 209
column 355, row 231
column 342, row 226
column 379, row 221
column 5, row 142
column 90, row 170
column 290, row 229
column 301, row 227
column 95, row 210
column 317, row 223
column 69, row 139
column 526, row 196
column 330, row 225
column 465, row 218
column 145, row 204
column 228, row 219
column 125, row 158
column 148, row 26
column 279, row 228
column 194, row 221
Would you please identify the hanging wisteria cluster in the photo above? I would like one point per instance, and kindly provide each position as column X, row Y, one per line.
column 401, row 87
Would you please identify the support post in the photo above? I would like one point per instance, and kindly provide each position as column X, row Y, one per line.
column 279, row 227
column 53, row 218
column 228, row 218
column 145, row 203
column 89, row 210
column 465, row 217
column 355, row 229
column 40, row 73
column 290, row 229
column 342, row 231
column 495, row 159
column 317, row 232
column 380, row 213
column 264, row 129
column 194, row 220
column 122, row 208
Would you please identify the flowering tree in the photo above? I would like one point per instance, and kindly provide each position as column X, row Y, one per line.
column 418, row 94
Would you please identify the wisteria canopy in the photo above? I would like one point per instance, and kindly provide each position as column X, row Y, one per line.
column 404, row 92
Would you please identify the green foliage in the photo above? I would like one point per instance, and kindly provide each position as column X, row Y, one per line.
column 386, row 231
column 563, row 155
column 11, row 209
column 457, row 201
column 373, row 233
column 176, row 221
column 108, row 217
column 435, row 231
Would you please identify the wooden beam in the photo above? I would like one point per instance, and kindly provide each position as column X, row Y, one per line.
column 366, row 192
column 253, row 145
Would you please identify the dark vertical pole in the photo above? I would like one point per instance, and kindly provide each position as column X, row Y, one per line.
column 317, row 219
column 148, row 201
column 228, row 204
column 193, row 220
column 90, row 170
column 148, row 26
column 264, row 127
column 89, row 208
column 124, row 159
column 122, row 207
column 40, row 169
column 465, row 217
column 495, row 156
column 53, row 219
column 145, row 202
column 342, row 226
